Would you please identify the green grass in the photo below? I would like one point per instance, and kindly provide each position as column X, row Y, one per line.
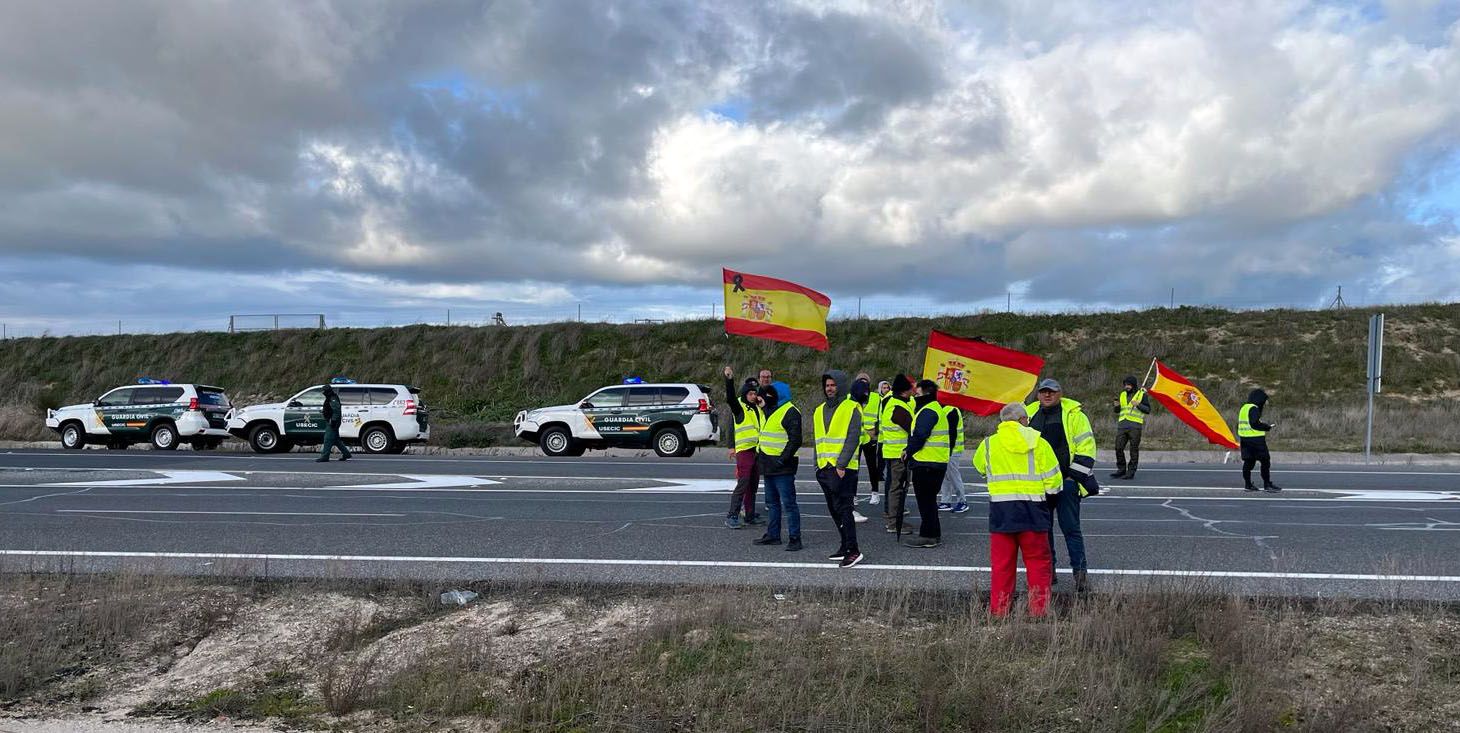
column 477, row 378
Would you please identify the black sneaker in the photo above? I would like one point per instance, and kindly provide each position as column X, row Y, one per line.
column 321, row 460
column 852, row 559
column 1249, row 487
column 923, row 542
column 754, row 519
column 346, row 457
column 839, row 554
column 794, row 545
column 1272, row 488
column 1118, row 474
column 766, row 540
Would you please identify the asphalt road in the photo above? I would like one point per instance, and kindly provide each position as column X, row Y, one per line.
column 1334, row 530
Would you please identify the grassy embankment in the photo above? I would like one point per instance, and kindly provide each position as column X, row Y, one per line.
column 387, row 656
column 476, row 378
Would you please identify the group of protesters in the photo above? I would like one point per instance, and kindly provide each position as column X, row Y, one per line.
column 1038, row 465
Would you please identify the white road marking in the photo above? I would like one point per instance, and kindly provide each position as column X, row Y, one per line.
column 260, row 514
column 691, row 486
column 426, row 481
column 172, row 477
column 1253, row 574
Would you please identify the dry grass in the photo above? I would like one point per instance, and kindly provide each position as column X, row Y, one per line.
column 378, row 657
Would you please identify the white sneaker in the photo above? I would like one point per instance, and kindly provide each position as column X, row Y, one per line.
column 857, row 517
column 875, row 500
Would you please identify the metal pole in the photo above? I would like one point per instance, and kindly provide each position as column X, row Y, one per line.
column 119, row 328
column 859, row 307
column 1173, row 297
column 1375, row 373
column 448, row 316
column 276, row 322
column 1008, row 302
column 580, row 312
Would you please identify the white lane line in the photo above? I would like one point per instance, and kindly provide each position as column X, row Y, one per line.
column 690, row 486
column 426, row 481
column 259, row 514
column 172, row 477
column 707, row 564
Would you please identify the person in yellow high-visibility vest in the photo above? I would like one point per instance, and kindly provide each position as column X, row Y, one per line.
column 871, row 402
column 837, row 428
column 928, row 450
column 1132, row 405
column 1024, row 482
column 1252, row 436
column 893, row 427
column 1063, row 423
column 746, row 418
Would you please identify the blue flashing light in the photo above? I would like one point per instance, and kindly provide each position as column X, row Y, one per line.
column 634, row 380
column 150, row 380
column 342, row 380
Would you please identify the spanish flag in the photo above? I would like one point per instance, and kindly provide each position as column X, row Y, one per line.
column 977, row 376
column 1189, row 405
column 768, row 308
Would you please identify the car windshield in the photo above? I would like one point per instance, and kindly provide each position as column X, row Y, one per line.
column 310, row 397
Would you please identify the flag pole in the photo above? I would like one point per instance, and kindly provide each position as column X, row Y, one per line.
column 1148, row 372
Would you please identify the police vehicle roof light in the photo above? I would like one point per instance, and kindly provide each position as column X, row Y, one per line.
column 150, row 380
column 634, row 380
column 342, row 380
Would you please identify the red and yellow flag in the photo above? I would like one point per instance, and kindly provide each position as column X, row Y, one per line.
column 1189, row 405
column 768, row 308
column 977, row 376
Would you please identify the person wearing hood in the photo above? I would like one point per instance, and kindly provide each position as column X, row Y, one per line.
column 1064, row 425
column 929, row 449
column 837, row 427
column 894, row 425
column 1024, row 481
column 1252, row 435
column 746, row 415
column 1132, row 405
column 870, row 403
column 780, row 438
column 332, row 414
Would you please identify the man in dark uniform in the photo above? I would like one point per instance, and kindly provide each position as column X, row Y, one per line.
column 1252, row 434
column 330, row 412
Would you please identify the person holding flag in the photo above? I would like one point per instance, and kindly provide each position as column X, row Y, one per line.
column 1132, row 405
column 745, row 412
column 1252, row 432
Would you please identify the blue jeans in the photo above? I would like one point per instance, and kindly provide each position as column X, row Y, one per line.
column 1068, row 515
column 780, row 494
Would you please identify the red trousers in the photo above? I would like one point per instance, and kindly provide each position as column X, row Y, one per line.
column 1004, row 549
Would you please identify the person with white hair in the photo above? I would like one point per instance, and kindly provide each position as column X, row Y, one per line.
column 1024, row 483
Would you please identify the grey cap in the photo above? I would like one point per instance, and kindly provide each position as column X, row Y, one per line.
column 1049, row 384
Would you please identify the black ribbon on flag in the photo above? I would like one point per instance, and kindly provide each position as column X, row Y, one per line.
column 739, row 281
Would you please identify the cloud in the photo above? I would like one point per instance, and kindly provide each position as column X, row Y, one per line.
column 1093, row 152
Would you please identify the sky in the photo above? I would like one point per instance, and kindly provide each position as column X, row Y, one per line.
column 166, row 163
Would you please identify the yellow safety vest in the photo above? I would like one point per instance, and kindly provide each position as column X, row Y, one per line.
column 962, row 428
column 747, row 428
column 1078, row 433
column 1015, row 467
column 1129, row 407
column 870, row 415
column 892, row 436
column 1244, row 423
column 829, row 441
column 773, row 436
column 938, row 449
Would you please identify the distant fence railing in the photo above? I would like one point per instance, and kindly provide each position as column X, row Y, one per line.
column 274, row 321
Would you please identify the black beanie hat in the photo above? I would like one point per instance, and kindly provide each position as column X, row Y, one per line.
column 928, row 386
column 901, row 383
column 1130, row 380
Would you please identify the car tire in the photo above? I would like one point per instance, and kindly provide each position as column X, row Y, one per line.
column 377, row 439
column 557, row 442
column 73, row 436
column 670, row 442
column 265, row 438
column 164, row 436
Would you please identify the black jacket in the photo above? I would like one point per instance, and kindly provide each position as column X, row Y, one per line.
column 1258, row 399
column 786, row 462
column 331, row 410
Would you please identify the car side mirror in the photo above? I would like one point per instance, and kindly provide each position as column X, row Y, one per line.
column 295, row 403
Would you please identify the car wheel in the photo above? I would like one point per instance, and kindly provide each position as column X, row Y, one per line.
column 265, row 439
column 164, row 437
column 377, row 439
column 670, row 442
column 72, row 436
column 556, row 441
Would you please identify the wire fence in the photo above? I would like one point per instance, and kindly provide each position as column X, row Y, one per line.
column 843, row 308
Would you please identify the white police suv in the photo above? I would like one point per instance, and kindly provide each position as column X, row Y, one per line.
column 380, row 418
column 672, row 418
column 152, row 411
